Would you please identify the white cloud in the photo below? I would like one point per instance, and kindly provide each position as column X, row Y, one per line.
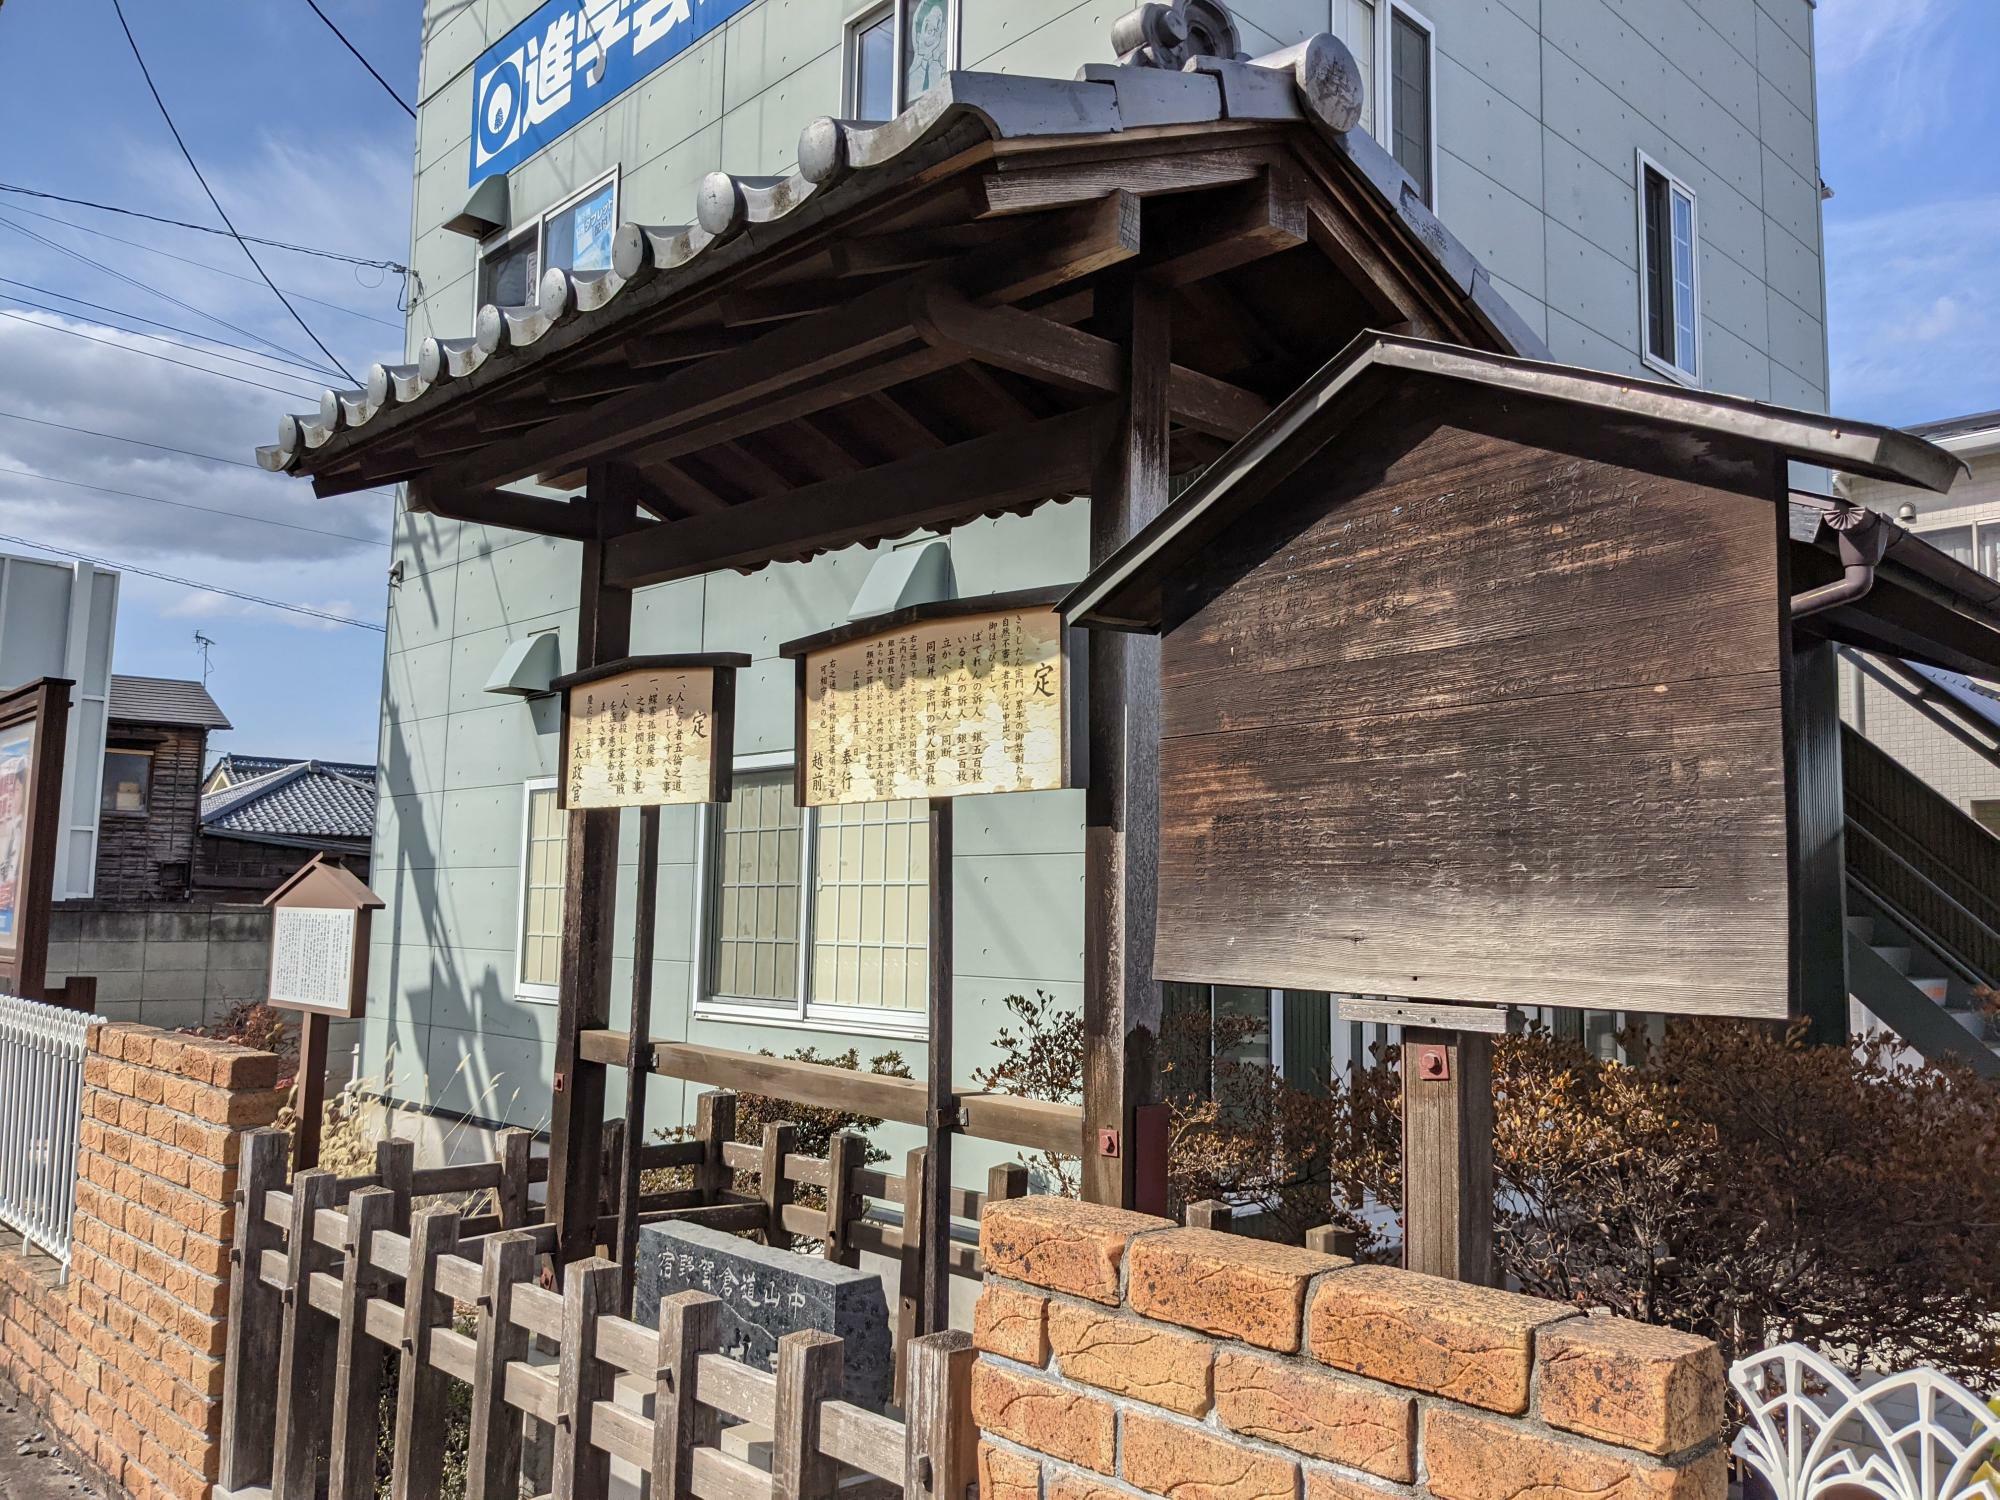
column 1889, row 62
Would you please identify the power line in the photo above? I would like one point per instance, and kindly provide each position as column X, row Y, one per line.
column 149, row 354
column 367, row 541
column 214, row 458
column 362, row 60
column 134, row 213
column 191, row 583
column 42, row 239
column 118, row 312
column 159, row 338
column 185, row 260
column 214, row 202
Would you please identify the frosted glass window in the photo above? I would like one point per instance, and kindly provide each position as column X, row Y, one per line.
column 755, row 947
column 545, row 854
column 870, row 906
column 1354, row 24
column 1989, row 550
column 1955, row 542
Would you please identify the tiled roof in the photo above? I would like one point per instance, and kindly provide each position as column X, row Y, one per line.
column 240, row 768
column 308, row 800
column 163, row 700
column 1314, row 85
column 1950, row 427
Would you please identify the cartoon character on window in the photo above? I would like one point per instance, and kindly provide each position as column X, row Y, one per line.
column 930, row 26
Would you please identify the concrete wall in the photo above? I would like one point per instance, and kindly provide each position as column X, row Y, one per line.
column 184, row 964
column 1542, row 105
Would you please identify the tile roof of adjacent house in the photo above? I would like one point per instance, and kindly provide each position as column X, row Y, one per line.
column 163, row 700
column 240, row 768
column 306, row 802
column 1951, row 427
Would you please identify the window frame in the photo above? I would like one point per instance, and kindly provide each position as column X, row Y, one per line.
column 533, row 994
column 538, row 227
column 104, row 772
column 866, row 16
column 799, row 1013
column 1386, row 12
column 1690, row 375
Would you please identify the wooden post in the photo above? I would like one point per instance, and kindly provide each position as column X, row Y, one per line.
column 780, row 1141
column 1448, row 1154
column 714, row 1127
column 357, row 1361
column 610, row 1176
column 517, row 1148
column 910, row 1268
column 809, row 1373
column 396, row 1165
column 305, row 1355
column 311, row 1090
column 1210, row 1213
column 1819, row 849
column 1331, row 1239
column 1008, row 1180
column 422, row 1389
column 638, row 1047
column 690, row 1326
column 941, row 1101
column 1121, row 1000
column 590, row 886
column 582, row 1469
column 940, row 1441
column 493, row 1445
column 256, row 1311
column 844, row 1153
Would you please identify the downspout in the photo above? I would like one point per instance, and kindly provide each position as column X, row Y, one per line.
column 1863, row 538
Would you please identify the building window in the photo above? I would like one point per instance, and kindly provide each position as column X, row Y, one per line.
column 576, row 235
column 1669, row 277
column 544, row 855
column 128, row 781
column 1354, row 24
column 1409, row 125
column 816, row 914
column 896, row 52
column 1975, row 546
column 1986, row 813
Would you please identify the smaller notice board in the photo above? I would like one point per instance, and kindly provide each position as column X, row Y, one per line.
column 34, row 722
column 648, row 731
column 319, row 941
column 954, row 699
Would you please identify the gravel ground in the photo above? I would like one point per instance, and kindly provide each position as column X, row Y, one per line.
column 31, row 1467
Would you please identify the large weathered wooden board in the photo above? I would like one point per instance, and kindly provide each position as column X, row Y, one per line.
column 947, row 707
column 644, row 738
column 1506, row 727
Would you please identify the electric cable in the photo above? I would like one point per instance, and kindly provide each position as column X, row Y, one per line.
column 149, row 354
column 134, row 213
column 119, row 312
column 159, row 338
column 237, row 515
column 363, row 61
column 113, row 437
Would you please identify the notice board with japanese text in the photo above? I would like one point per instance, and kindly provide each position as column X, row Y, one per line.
column 651, row 731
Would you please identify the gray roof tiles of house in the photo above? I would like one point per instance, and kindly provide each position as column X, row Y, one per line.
column 242, row 767
column 307, row 800
column 163, row 700
column 1950, row 427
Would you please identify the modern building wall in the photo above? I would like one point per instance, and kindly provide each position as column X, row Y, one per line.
column 1543, row 108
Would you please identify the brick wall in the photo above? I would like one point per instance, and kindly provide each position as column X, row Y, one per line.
column 124, row 1360
column 1120, row 1354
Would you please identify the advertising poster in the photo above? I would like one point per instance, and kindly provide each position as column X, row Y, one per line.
column 17, row 760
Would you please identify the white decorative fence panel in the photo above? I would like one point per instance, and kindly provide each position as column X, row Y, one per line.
column 42, row 1049
column 1814, row 1430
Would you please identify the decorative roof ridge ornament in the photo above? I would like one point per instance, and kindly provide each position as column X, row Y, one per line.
column 1166, row 35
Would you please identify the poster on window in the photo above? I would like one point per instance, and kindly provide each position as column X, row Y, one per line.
column 646, row 733
column 17, row 764
column 972, row 699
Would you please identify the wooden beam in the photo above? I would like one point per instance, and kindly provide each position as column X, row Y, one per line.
column 1121, row 999
column 1013, row 340
column 911, row 435
column 687, row 492
column 1051, row 458
column 1448, row 1154
column 1818, row 806
column 563, row 518
column 1036, row 188
column 1220, row 232
column 818, row 449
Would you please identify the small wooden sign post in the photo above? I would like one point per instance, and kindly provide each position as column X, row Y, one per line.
column 645, row 732
column 932, row 702
column 319, row 967
column 34, row 728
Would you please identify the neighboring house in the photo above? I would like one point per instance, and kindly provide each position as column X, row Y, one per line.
column 1966, row 525
column 258, row 830
column 1640, row 181
column 232, row 767
column 156, row 743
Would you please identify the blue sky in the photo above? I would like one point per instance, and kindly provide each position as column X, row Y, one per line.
column 302, row 145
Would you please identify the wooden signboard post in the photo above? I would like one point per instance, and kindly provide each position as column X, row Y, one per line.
column 34, row 728
column 645, row 732
column 319, row 967
column 936, row 701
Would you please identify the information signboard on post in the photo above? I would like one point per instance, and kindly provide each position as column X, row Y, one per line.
column 34, row 724
column 648, row 731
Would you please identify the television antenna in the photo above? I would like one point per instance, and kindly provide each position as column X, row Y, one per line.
column 201, row 642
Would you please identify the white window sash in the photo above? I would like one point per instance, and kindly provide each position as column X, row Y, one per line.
column 1386, row 12
column 860, row 21
column 537, row 227
column 1681, row 279
column 537, row 994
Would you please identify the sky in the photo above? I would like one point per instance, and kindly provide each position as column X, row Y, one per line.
column 300, row 144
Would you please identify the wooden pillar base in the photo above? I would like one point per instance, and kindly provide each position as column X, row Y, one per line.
column 1448, row 1154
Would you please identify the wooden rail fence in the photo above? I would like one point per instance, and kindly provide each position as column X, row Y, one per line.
column 331, row 1277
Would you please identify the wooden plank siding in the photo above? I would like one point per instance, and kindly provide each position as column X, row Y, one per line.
column 1470, row 720
column 132, row 848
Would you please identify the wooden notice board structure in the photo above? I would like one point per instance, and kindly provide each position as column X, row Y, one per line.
column 34, row 730
column 1477, row 692
column 933, row 702
column 319, row 967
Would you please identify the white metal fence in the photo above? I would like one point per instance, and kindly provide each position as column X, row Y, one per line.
column 41, row 1111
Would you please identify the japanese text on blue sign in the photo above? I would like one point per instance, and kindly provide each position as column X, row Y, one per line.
column 569, row 59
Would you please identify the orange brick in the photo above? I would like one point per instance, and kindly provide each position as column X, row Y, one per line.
column 1132, row 1357
column 1012, row 1323
column 1476, row 1458
column 1045, row 1416
column 1008, row 1476
column 1061, row 1244
column 1183, row 1462
column 1226, row 1284
column 1631, row 1384
column 1473, row 1344
column 1324, row 1416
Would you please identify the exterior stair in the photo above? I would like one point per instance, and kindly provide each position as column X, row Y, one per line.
column 1899, row 983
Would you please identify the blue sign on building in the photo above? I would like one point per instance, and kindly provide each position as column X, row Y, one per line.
column 570, row 59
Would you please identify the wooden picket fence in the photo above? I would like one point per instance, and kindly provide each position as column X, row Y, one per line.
column 330, row 1278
